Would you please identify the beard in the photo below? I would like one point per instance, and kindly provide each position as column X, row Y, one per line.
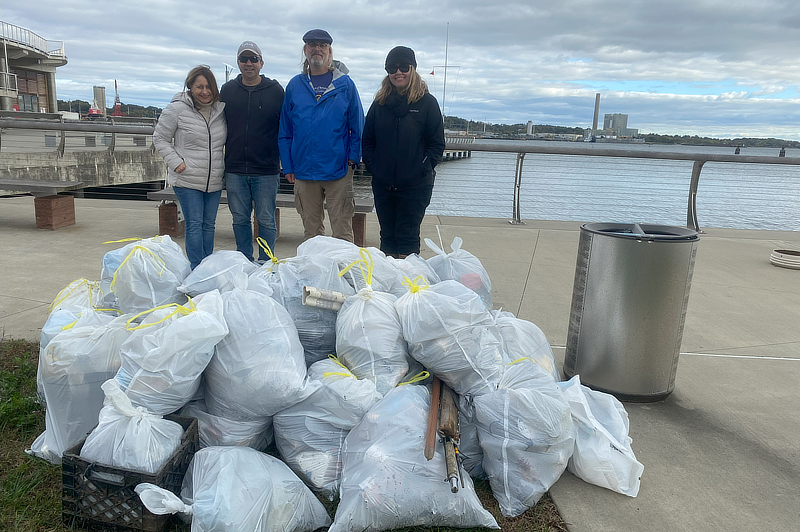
column 316, row 61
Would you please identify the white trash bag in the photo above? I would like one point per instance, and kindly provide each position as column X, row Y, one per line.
column 310, row 434
column 451, row 333
column 130, row 438
column 316, row 327
column 259, row 368
column 149, row 274
column 216, row 431
column 469, row 445
column 387, row 483
column 238, row 489
column 369, row 337
column 80, row 293
column 526, row 431
column 218, row 270
column 603, row 454
column 72, row 368
column 385, row 278
column 522, row 339
column 462, row 266
column 164, row 357
column 414, row 266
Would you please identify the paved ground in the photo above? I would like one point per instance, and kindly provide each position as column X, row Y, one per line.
column 721, row 453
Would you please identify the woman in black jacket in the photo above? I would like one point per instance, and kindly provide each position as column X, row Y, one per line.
column 403, row 141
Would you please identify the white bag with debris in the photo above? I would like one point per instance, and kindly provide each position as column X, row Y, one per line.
column 68, row 318
column 238, row 489
column 149, row 274
column 80, row 293
column 414, row 266
column 369, row 337
column 72, row 368
column 523, row 339
column 603, row 454
column 385, row 278
column 451, row 333
column 218, row 270
column 165, row 355
column 216, row 431
column 387, row 483
column 316, row 327
column 259, row 368
column 462, row 266
column 527, row 435
column 310, row 434
column 130, row 438
column 469, row 445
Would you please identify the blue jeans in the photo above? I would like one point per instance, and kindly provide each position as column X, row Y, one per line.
column 243, row 192
column 200, row 212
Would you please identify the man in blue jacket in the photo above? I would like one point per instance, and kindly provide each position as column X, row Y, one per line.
column 320, row 138
column 252, row 160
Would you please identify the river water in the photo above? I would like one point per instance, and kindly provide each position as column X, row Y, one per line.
column 612, row 189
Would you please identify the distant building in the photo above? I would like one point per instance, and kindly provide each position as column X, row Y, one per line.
column 530, row 128
column 617, row 125
column 28, row 65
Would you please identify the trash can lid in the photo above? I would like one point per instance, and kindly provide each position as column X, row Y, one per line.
column 637, row 231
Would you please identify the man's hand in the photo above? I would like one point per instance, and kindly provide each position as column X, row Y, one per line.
column 181, row 167
column 289, row 178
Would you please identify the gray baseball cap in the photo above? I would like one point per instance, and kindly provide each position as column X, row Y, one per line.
column 249, row 46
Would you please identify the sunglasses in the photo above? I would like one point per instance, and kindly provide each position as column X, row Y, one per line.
column 320, row 45
column 252, row 58
column 402, row 68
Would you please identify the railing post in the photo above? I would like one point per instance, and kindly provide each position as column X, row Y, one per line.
column 62, row 143
column 691, row 211
column 113, row 143
column 517, row 184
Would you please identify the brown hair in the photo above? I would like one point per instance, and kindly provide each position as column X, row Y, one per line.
column 205, row 71
column 416, row 89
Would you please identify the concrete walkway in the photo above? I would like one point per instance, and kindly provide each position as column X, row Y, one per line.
column 721, row 453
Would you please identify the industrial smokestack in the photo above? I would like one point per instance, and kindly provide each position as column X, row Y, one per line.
column 596, row 113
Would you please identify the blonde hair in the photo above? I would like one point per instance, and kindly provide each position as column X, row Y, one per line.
column 307, row 66
column 416, row 89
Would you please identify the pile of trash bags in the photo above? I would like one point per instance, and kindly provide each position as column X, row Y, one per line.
column 330, row 394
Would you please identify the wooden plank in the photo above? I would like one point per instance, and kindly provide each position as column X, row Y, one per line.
column 39, row 185
column 363, row 205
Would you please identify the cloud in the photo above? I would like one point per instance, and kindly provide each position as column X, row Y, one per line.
column 706, row 67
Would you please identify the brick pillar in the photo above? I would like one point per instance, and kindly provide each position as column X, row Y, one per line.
column 168, row 223
column 359, row 229
column 53, row 212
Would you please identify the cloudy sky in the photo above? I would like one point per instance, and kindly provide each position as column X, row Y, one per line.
column 723, row 68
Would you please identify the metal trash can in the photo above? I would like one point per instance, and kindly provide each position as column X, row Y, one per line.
column 628, row 308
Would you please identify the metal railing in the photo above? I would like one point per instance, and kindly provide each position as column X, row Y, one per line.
column 115, row 129
column 8, row 82
column 25, row 37
column 64, row 126
column 698, row 160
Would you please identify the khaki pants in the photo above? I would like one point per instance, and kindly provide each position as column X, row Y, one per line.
column 311, row 196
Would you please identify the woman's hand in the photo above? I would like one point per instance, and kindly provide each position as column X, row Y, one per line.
column 181, row 167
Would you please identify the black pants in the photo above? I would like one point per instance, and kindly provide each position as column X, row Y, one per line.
column 400, row 214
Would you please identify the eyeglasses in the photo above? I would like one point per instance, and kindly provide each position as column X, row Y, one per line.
column 252, row 58
column 402, row 68
column 321, row 45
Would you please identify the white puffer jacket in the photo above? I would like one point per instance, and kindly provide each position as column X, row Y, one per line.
column 197, row 143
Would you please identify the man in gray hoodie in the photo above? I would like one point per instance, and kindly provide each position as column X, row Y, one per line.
column 252, row 161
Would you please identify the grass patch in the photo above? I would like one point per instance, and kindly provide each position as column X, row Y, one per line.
column 30, row 489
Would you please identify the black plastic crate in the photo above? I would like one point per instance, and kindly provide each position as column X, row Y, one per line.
column 99, row 495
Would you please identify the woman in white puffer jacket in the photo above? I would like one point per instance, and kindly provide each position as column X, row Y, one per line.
column 190, row 136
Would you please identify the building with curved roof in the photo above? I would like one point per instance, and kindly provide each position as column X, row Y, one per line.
column 28, row 65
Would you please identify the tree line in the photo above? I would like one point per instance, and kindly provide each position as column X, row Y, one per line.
column 82, row 107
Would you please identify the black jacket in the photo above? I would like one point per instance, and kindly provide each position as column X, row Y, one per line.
column 253, row 118
column 402, row 143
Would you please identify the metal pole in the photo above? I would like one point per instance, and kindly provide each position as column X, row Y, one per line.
column 517, row 184
column 691, row 211
column 444, row 89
